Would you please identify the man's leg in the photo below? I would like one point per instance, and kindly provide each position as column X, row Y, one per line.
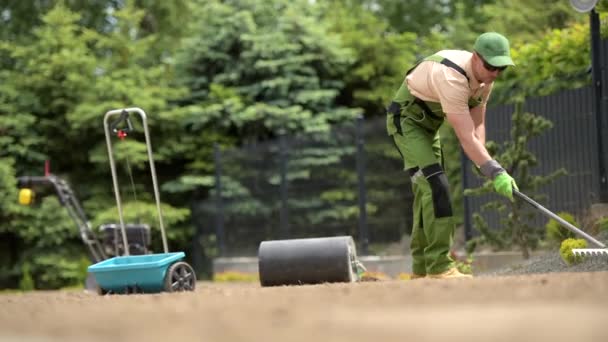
column 437, row 218
column 432, row 200
column 418, row 239
column 418, row 147
column 440, row 219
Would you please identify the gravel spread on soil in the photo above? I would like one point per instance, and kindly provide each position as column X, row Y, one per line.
column 552, row 262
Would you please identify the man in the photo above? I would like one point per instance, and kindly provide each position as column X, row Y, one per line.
column 450, row 85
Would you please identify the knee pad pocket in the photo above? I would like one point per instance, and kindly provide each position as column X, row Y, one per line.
column 438, row 181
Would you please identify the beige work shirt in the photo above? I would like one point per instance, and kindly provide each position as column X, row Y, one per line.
column 436, row 82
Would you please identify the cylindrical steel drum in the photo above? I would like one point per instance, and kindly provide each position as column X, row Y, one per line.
column 307, row 261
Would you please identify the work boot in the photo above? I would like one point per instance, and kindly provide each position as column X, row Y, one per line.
column 449, row 274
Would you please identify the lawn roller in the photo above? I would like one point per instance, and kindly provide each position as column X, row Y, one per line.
column 308, row 261
column 150, row 273
column 601, row 249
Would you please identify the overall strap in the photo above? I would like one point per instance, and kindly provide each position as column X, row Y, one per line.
column 439, row 59
column 444, row 61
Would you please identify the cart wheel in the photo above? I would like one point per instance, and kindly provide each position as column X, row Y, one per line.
column 101, row 291
column 180, row 277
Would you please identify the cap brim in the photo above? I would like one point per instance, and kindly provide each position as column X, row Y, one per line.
column 500, row 61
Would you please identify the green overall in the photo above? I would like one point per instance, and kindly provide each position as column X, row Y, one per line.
column 413, row 125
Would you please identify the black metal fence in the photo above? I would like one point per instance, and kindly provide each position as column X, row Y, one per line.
column 570, row 144
column 315, row 185
column 311, row 185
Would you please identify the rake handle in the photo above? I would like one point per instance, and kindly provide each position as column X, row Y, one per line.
column 563, row 222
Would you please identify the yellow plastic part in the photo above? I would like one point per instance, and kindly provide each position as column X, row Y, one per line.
column 26, row 196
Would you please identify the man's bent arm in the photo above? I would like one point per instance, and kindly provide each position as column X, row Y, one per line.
column 465, row 130
column 478, row 114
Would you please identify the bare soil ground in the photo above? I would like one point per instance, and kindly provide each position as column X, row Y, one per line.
column 532, row 307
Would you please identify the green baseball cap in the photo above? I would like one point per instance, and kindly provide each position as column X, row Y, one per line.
column 494, row 48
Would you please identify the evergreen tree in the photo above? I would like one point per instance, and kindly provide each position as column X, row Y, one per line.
column 514, row 155
column 58, row 87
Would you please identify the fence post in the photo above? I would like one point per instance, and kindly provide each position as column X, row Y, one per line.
column 363, row 233
column 284, row 214
column 599, row 105
column 219, row 214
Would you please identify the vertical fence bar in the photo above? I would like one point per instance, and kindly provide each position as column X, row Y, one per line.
column 464, row 164
column 197, row 248
column 284, row 213
column 219, row 214
column 604, row 104
column 596, row 75
column 363, row 233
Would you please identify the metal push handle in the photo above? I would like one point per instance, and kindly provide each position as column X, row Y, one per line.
column 563, row 222
column 108, row 130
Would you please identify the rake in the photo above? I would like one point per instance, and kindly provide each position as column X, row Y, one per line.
column 601, row 249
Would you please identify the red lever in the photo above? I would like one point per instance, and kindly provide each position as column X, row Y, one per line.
column 121, row 134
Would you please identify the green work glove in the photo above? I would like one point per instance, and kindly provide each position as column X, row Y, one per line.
column 504, row 185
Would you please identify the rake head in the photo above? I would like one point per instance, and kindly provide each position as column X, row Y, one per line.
column 593, row 252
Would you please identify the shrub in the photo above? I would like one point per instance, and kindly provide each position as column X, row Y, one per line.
column 404, row 276
column 556, row 232
column 566, row 250
column 602, row 224
column 464, row 264
column 373, row 276
column 27, row 282
column 235, row 276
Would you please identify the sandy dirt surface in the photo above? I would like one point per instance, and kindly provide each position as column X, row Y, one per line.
column 540, row 307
